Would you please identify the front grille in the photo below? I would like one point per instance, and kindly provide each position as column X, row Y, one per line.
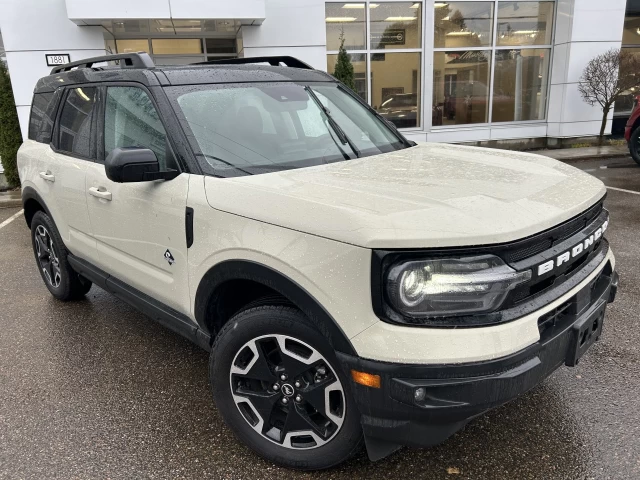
column 542, row 283
column 543, row 241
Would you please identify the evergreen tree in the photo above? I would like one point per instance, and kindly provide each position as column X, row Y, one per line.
column 344, row 67
column 10, row 136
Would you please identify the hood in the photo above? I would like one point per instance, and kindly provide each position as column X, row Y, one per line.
column 430, row 195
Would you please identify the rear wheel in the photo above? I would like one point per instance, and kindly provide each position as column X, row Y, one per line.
column 278, row 385
column 51, row 257
column 634, row 145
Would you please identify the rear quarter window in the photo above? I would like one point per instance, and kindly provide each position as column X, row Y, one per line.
column 38, row 111
column 43, row 114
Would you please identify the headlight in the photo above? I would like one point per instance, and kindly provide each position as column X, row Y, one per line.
column 451, row 286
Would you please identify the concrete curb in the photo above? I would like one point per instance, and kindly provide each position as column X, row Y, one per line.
column 10, row 199
column 589, row 153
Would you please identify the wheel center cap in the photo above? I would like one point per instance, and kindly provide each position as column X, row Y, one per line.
column 287, row 390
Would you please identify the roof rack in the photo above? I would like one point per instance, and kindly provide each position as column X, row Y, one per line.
column 128, row 60
column 273, row 61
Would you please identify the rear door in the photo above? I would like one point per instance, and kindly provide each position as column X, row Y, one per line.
column 140, row 227
column 64, row 168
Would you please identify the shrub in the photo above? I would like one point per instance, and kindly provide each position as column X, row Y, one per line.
column 10, row 136
column 344, row 67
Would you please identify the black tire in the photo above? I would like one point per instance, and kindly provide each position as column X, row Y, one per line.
column 634, row 145
column 51, row 258
column 260, row 325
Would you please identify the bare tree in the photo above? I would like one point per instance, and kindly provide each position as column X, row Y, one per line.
column 607, row 77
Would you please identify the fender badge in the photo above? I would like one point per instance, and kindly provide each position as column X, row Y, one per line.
column 169, row 258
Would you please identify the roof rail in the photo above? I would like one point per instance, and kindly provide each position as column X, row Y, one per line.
column 131, row 60
column 274, row 61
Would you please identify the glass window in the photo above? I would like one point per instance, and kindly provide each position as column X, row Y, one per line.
column 626, row 102
column 131, row 120
column 49, row 118
column 461, row 87
column 463, row 24
column 525, row 23
column 347, row 19
column 631, row 32
column 38, row 112
column 176, row 46
column 395, row 87
column 75, row 121
column 358, row 60
column 272, row 127
column 133, row 26
column 220, row 45
column 395, row 25
column 131, row 46
column 520, row 85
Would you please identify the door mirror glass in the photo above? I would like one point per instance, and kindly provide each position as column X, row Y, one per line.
column 132, row 164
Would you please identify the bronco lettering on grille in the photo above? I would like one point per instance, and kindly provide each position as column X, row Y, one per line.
column 565, row 257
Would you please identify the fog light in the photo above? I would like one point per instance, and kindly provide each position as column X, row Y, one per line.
column 419, row 394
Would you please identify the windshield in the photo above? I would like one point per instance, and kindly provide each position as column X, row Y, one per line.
column 258, row 128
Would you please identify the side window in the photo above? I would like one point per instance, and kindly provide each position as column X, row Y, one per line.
column 75, row 121
column 38, row 111
column 46, row 130
column 131, row 120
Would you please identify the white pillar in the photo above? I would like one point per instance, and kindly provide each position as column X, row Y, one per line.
column 294, row 28
column 584, row 29
column 33, row 28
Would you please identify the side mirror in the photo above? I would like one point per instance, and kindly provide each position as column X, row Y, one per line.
column 134, row 164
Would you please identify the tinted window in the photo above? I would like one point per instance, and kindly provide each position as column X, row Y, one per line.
column 75, row 121
column 46, row 130
column 38, row 111
column 131, row 120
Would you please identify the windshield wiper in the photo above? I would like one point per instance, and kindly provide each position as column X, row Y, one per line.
column 390, row 125
column 212, row 157
column 344, row 138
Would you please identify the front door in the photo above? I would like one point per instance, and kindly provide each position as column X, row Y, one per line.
column 140, row 227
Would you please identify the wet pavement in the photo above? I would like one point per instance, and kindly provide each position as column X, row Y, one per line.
column 94, row 390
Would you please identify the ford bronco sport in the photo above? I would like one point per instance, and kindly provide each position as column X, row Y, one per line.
column 352, row 287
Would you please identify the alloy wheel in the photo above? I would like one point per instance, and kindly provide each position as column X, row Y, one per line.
column 287, row 392
column 47, row 257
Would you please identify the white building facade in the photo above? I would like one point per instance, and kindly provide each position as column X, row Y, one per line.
column 460, row 71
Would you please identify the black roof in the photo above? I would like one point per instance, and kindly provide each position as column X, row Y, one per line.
column 226, row 71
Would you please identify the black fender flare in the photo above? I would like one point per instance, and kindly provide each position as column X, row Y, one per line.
column 256, row 272
column 30, row 193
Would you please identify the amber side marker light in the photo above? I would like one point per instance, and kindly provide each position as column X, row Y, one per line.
column 366, row 379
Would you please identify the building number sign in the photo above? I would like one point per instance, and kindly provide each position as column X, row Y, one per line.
column 54, row 59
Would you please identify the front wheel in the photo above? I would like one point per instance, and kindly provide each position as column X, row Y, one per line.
column 278, row 385
column 634, row 145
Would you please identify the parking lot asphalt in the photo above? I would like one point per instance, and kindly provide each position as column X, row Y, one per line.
column 95, row 390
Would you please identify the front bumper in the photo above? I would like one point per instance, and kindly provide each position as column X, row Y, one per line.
column 456, row 393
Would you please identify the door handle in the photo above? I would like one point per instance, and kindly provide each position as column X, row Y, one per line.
column 48, row 176
column 96, row 192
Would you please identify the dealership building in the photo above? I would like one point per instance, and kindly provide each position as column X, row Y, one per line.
column 458, row 71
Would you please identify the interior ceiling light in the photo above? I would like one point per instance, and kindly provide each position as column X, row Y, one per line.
column 353, row 5
column 400, row 19
column 460, row 33
column 525, row 32
column 340, row 19
column 440, row 4
column 415, row 5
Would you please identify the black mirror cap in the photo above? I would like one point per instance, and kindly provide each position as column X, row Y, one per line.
column 131, row 164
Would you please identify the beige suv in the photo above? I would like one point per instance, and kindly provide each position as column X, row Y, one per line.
column 352, row 287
